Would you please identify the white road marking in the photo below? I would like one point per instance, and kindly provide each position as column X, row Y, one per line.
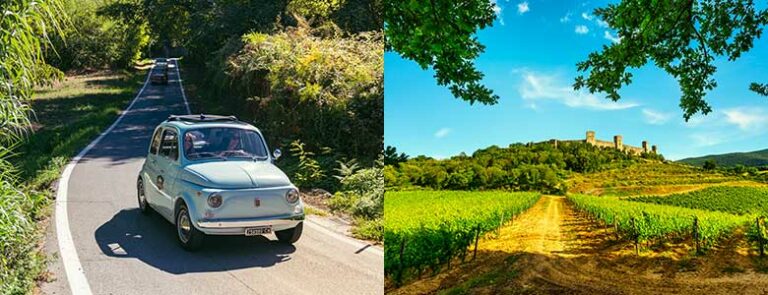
column 183, row 95
column 78, row 283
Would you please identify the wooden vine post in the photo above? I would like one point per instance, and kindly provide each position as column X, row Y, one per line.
column 696, row 235
column 477, row 237
column 760, row 236
column 401, row 268
column 635, row 235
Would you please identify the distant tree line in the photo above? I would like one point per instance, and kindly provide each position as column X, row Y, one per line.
column 529, row 167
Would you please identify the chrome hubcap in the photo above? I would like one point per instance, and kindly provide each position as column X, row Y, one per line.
column 183, row 226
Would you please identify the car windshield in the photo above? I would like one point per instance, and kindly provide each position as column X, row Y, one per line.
column 223, row 143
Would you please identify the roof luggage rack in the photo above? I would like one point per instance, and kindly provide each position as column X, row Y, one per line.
column 202, row 118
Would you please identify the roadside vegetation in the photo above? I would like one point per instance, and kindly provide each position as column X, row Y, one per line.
column 21, row 68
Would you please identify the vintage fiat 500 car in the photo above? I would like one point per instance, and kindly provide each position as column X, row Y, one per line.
column 212, row 175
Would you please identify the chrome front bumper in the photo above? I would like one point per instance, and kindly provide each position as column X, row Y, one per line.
column 237, row 226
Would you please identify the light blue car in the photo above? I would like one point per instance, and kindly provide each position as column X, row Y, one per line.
column 213, row 175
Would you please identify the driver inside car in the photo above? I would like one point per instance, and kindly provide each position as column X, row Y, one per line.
column 234, row 142
column 189, row 144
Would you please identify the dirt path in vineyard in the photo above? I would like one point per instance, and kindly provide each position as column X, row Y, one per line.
column 550, row 249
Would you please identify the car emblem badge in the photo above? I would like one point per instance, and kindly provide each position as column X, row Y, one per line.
column 256, row 202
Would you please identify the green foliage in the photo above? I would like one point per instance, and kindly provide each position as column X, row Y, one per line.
column 433, row 227
column 681, row 37
column 369, row 229
column 761, row 89
column 645, row 222
column 314, row 8
column 361, row 194
column 535, row 167
column 308, row 170
column 730, row 199
column 757, row 233
column 99, row 37
column 324, row 91
column 709, row 165
column 441, row 35
column 392, row 158
column 23, row 36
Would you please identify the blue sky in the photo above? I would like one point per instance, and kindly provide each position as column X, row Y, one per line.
column 530, row 57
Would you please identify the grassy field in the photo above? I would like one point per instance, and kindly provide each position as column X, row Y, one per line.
column 68, row 116
column 730, row 199
column 651, row 178
column 424, row 230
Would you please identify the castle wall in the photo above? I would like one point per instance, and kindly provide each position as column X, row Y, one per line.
column 617, row 143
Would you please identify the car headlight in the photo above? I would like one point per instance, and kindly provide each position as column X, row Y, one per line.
column 215, row 200
column 292, row 196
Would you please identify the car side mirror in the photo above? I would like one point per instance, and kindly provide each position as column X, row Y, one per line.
column 276, row 154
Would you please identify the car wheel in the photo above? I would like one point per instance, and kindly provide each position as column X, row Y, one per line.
column 142, row 197
column 189, row 237
column 290, row 236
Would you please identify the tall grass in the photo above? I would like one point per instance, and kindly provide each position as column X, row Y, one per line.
column 23, row 34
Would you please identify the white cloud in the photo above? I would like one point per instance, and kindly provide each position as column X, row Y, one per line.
column 443, row 132
column 655, row 117
column 581, row 29
column 601, row 23
column 747, row 119
column 566, row 18
column 609, row 36
column 523, row 7
column 586, row 16
column 536, row 87
column 703, row 139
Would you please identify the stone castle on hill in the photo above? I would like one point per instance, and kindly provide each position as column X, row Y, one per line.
column 617, row 143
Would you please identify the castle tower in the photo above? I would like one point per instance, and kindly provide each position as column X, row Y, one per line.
column 553, row 142
column 653, row 148
column 591, row 137
column 618, row 142
column 645, row 146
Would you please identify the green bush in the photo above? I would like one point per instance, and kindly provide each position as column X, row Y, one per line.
column 97, row 39
column 327, row 92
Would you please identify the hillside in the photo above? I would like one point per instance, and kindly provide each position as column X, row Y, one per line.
column 650, row 177
column 754, row 159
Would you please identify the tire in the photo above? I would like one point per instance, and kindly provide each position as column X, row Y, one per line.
column 141, row 197
column 189, row 237
column 290, row 236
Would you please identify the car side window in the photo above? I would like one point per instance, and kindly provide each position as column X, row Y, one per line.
column 155, row 145
column 170, row 145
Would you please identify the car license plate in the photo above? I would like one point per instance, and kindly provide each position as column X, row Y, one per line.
column 255, row 231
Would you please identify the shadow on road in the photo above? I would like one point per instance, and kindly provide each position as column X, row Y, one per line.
column 151, row 239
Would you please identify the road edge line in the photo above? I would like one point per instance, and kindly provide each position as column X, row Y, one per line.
column 351, row 241
column 181, row 85
column 78, row 283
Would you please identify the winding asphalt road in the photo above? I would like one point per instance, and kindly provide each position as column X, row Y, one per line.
column 117, row 250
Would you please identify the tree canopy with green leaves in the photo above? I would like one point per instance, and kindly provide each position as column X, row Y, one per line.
column 682, row 37
column 441, row 35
